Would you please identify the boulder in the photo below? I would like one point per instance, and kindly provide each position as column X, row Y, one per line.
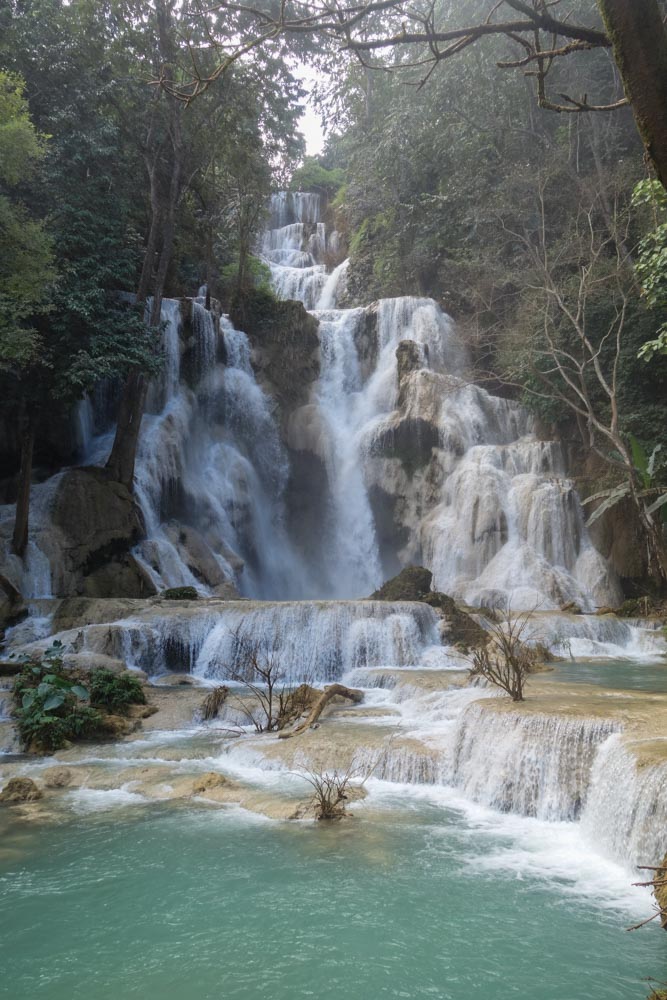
column 414, row 584
column 411, row 584
column 93, row 524
column 57, row 777
column 208, row 781
column 19, row 790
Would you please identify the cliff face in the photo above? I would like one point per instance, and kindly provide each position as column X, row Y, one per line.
column 285, row 347
column 616, row 534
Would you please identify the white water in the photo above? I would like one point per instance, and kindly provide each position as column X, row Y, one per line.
column 471, row 492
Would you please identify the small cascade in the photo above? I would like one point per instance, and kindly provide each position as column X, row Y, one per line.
column 533, row 765
column 625, row 815
column 306, row 641
column 422, row 466
column 581, row 637
column 211, row 470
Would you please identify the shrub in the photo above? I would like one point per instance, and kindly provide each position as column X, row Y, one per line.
column 181, row 594
column 48, row 704
column 115, row 692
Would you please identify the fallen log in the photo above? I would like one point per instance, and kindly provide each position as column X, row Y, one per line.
column 330, row 691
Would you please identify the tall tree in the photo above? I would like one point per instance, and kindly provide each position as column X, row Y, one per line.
column 26, row 273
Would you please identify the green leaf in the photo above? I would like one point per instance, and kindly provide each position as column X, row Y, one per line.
column 80, row 692
column 612, row 499
column 54, row 701
column 640, row 460
column 657, row 504
column 28, row 699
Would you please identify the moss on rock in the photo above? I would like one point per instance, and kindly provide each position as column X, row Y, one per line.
column 180, row 594
column 414, row 584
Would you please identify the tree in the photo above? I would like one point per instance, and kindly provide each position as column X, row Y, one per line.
column 581, row 291
column 83, row 185
column 652, row 261
column 543, row 31
column 507, row 659
column 26, row 273
column 178, row 148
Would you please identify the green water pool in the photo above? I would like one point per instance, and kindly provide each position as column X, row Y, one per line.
column 624, row 675
column 195, row 904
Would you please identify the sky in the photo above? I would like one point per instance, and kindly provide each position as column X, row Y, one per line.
column 309, row 123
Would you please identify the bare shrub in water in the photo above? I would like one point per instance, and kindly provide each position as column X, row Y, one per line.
column 507, row 659
column 274, row 703
column 213, row 702
column 331, row 789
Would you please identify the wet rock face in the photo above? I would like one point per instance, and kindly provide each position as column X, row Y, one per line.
column 19, row 790
column 96, row 523
column 411, row 584
column 660, row 893
column 285, row 347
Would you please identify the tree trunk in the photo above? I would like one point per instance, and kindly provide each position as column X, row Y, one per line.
column 123, row 455
column 21, row 522
column 330, row 691
column 639, row 43
column 124, row 451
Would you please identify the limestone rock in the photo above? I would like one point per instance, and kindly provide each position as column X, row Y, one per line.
column 285, row 344
column 94, row 523
column 57, row 777
column 409, row 585
column 660, row 893
column 209, row 781
column 19, row 790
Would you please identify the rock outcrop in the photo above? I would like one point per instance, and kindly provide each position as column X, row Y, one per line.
column 90, row 528
column 20, row 790
column 414, row 584
column 285, row 347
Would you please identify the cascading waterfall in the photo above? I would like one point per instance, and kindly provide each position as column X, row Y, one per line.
column 404, row 436
column 534, row 765
column 309, row 641
column 421, row 466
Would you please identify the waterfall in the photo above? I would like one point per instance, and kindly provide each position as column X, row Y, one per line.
column 626, row 812
column 421, row 465
column 309, row 641
column 592, row 636
column 534, row 765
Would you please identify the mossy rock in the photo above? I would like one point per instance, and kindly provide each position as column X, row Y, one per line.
column 411, row 584
column 180, row 594
column 414, row 584
column 19, row 790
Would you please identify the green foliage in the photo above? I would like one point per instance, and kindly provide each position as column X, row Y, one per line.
column 52, row 706
column 181, row 594
column 313, row 176
column 652, row 261
column 49, row 708
column 26, row 254
column 115, row 692
column 21, row 145
column 258, row 276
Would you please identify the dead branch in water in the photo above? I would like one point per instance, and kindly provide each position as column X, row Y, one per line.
column 330, row 691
